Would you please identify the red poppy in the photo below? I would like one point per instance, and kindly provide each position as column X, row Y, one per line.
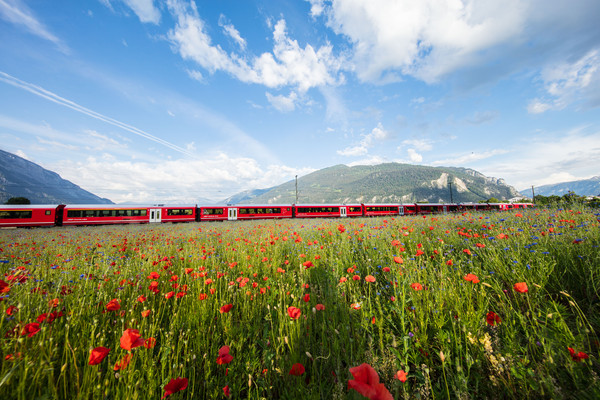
column 320, row 307
column 341, row 228
column 145, row 313
column 226, row 391
column 131, row 339
column 370, row 278
column 113, row 305
column 202, row 296
column 449, row 263
column 294, row 312
column 141, row 298
column 121, row 365
column 226, row 308
column 153, row 275
column 224, row 356
column 150, row 343
column 480, row 245
column 400, row 375
column 416, row 286
column 577, row 356
column 4, row 288
column 175, row 385
column 30, row 329
column 471, row 278
column 366, row 382
column 467, row 251
column 97, row 355
column 297, row 369
column 521, row 287
column 307, row 264
column 169, row 295
column 356, row 278
column 307, row 297
column 11, row 310
column 492, row 318
column 398, row 260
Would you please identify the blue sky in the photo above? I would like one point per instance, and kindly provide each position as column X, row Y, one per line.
column 174, row 101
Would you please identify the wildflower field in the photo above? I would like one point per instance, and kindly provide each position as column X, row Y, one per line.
column 475, row 305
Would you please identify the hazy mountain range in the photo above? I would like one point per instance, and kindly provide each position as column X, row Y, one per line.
column 583, row 187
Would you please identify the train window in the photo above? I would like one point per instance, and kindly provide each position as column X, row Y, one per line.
column 89, row 213
column 354, row 209
column 74, row 213
column 15, row 214
column 212, row 211
column 48, row 212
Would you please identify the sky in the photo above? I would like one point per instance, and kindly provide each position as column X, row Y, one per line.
column 181, row 101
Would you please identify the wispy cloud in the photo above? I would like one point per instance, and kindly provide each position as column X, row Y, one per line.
column 378, row 134
column 566, row 83
column 17, row 13
column 41, row 92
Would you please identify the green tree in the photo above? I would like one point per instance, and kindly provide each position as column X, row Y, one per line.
column 18, row 200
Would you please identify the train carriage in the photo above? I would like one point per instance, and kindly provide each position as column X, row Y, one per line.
column 215, row 213
column 269, row 211
column 319, row 210
column 376, row 210
column 30, row 215
column 178, row 214
column 109, row 214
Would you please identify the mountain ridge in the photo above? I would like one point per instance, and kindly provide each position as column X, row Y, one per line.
column 22, row 178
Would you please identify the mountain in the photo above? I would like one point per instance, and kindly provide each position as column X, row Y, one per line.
column 583, row 187
column 245, row 197
column 385, row 183
column 22, row 178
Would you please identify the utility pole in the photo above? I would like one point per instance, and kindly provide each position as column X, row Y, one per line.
column 450, row 187
column 296, row 189
column 532, row 195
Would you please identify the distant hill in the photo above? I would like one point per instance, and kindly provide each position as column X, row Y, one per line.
column 392, row 182
column 584, row 187
column 22, row 178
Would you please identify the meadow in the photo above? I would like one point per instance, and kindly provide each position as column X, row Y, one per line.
column 476, row 305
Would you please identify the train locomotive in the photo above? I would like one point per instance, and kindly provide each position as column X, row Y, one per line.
column 15, row 216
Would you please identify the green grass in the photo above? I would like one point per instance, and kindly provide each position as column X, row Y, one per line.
column 438, row 335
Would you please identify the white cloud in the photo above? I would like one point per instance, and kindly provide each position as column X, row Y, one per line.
column 22, row 154
column 548, row 157
column 419, row 144
column 426, row 39
column 378, row 134
column 174, row 181
column 287, row 65
column 145, row 10
column 566, row 83
column 373, row 160
column 413, row 156
column 465, row 159
column 233, row 33
column 283, row 103
column 353, row 151
column 17, row 13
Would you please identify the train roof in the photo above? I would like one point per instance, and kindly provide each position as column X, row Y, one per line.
column 28, row 206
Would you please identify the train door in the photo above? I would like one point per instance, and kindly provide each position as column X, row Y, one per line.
column 445, row 209
column 343, row 212
column 232, row 214
column 155, row 215
column 401, row 210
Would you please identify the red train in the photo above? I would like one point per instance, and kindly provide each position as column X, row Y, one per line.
column 65, row 215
